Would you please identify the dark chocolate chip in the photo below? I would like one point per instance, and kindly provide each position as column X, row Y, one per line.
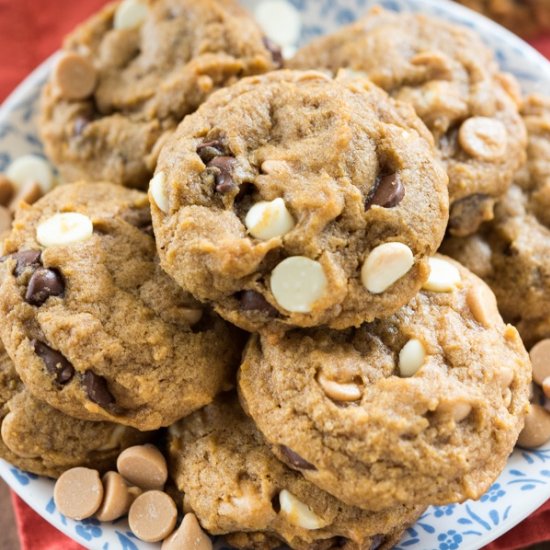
column 338, row 542
column 250, row 300
column 275, row 51
column 388, row 192
column 210, row 149
column 43, row 284
column 54, row 361
column 222, row 167
column 295, row 460
column 97, row 389
column 24, row 259
column 140, row 218
column 469, row 213
column 80, row 124
column 275, row 503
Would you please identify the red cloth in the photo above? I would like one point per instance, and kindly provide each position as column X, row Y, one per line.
column 30, row 30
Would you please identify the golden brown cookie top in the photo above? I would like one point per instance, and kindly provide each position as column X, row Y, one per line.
column 94, row 326
column 452, row 80
column 422, row 407
column 233, row 484
column 297, row 199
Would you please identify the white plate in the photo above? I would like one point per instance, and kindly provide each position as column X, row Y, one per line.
column 525, row 483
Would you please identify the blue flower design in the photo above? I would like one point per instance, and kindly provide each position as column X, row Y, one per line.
column 493, row 494
column 441, row 511
column 449, row 540
column 89, row 529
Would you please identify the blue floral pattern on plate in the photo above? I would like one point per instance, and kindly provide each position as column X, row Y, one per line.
column 525, row 483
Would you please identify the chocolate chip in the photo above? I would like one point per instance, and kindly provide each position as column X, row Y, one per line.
column 295, row 460
column 79, row 125
column 250, row 300
column 275, row 503
column 222, row 167
column 97, row 389
column 275, row 51
column 43, row 284
column 54, row 361
column 140, row 218
column 388, row 192
column 469, row 213
column 338, row 542
column 210, row 149
column 24, row 259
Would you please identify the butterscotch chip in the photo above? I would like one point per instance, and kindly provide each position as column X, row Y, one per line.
column 7, row 190
column 28, row 193
column 143, row 466
column 189, row 535
column 78, row 493
column 536, row 431
column 483, row 305
column 540, row 359
column 117, row 499
column 74, row 76
column 152, row 516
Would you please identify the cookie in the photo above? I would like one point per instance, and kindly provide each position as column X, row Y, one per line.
column 512, row 253
column 423, row 407
column 39, row 439
column 128, row 76
column 452, row 80
column 527, row 19
column 295, row 199
column 234, row 484
column 93, row 325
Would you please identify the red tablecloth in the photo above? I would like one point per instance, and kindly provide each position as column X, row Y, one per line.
column 30, row 30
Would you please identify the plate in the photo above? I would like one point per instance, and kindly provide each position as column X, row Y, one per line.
column 525, row 483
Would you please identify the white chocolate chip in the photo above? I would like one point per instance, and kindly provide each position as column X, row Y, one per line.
column 29, row 168
column 158, row 191
column 64, row 228
column 339, row 391
column 130, row 14
column 297, row 283
column 298, row 513
column 280, row 20
column 267, row 220
column 458, row 409
column 444, row 277
column 484, row 138
column 385, row 265
column 411, row 357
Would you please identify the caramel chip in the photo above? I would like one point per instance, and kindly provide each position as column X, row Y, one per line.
column 540, row 358
column 7, row 190
column 152, row 516
column 536, row 431
column 483, row 305
column 189, row 535
column 74, row 76
column 28, row 193
column 144, row 466
column 78, row 493
column 117, row 499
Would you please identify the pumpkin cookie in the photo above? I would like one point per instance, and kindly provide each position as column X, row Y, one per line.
column 94, row 326
column 295, row 199
column 423, row 407
column 129, row 75
column 452, row 80
column 234, row 484
column 39, row 439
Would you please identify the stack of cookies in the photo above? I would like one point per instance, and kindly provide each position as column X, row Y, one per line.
column 274, row 315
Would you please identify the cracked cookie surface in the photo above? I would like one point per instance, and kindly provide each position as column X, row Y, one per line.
column 296, row 199
column 235, row 485
column 452, row 80
column 423, row 407
column 94, row 326
column 149, row 73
